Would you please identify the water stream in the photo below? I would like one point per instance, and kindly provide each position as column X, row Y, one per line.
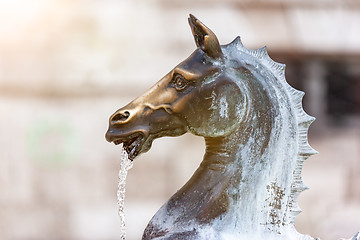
column 125, row 165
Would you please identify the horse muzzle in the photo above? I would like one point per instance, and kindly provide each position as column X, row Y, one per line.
column 121, row 130
column 133, row 142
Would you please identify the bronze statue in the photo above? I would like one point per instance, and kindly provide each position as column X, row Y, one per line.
column 256, row 142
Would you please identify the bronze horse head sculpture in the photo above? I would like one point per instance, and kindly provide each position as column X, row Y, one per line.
column 256, row 142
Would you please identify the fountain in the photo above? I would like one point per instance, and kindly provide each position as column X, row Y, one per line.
column 255, row 131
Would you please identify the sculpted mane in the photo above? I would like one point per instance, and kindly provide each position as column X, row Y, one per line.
column 302, row 120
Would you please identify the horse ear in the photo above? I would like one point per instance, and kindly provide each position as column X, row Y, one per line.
column 205, row 39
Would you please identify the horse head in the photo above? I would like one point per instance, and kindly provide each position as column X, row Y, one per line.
column 197, row 96
column 256, row 142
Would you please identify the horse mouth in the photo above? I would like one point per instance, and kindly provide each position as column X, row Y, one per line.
column 132, row 144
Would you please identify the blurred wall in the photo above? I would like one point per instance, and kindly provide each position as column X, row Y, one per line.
column 66, row 66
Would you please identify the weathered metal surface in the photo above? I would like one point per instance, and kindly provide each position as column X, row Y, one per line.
column 256, row 142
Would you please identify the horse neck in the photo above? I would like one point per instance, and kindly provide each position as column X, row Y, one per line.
column 253, row 167
column 244, row 183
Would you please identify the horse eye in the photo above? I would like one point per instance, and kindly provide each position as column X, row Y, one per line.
column 180, row 82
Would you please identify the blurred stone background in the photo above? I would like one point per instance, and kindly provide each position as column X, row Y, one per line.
column 66, row 66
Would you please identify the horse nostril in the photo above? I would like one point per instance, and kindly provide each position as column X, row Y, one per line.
column 121, row 116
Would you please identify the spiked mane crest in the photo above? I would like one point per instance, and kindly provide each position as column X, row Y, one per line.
column 303, row 120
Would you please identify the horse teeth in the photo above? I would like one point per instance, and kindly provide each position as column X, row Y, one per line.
column 133, row 151
column 134, row 143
